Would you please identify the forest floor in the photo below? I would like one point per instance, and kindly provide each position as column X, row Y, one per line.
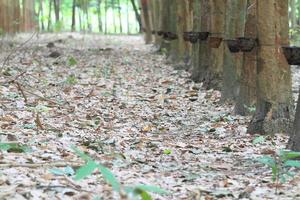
column 120, row 102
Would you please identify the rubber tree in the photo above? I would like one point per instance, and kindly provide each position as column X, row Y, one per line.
column 155, row 18
column 146, row 20
column 183, row 24
column 10, row 16
column 28, row 22
column 274, row 95
column 201, row 50
column 234, row 27
column 247, row 95
column 213, row 74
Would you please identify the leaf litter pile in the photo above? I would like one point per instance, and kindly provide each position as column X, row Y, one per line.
column 120, row 103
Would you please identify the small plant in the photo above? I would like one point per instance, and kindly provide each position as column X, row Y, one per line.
column 128, row 192
column 167, row 151
column 71, row 80
column 281, row 165
column 72, row 61
column 14, row 148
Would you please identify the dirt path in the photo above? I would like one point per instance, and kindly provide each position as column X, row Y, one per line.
column 118, row 101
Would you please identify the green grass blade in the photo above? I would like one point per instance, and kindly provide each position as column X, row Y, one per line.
column 153, row 189
column 109, row 177
column 86, row 170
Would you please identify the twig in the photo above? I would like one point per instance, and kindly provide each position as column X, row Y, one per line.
column 43, row 98
column 19, row 87
column 15, row 78
column 72, row 182
column 38, row 122
column 14, row 50
column 45, row 164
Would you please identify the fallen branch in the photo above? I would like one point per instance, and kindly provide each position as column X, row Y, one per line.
column 19, row 87
column 45, row 164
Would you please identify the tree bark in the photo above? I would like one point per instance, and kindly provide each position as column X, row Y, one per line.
column 73, row 26
column 49, row 17
column 235, row 25
column 274, row 96
column 57, row 10
column 247, row 95
column 212, row 76
column 199, row 71
column 294, row 141
column 146, row 21
column 137, row 15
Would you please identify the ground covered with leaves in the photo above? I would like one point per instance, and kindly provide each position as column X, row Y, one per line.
column 118, row 101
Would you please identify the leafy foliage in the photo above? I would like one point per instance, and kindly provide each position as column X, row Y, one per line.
column 14, row 148
column 132, row 192
column 72, row 61
column 281, row 164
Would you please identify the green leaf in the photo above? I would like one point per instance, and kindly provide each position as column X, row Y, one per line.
column 167, row 151
column 85, row 170
column 29, row 126
column 58, row 172
column 88, row 169
column 67, row 171
column 110, row 178
column 145, row 196
column 4, row 146
column 71, row 79
column 81, row 154
column 282, row 179
column 292, row 163
column 72, row 61
column 139, row 192
column 287, row 155
column 150, row 188
column 259, row 140
column 267, row 160
column 14, row 148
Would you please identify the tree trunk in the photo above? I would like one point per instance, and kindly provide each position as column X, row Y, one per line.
column 274, row 96
column 235, row 25
column 293, row 14
column 57, row 10
column 73, row 26
column 294, row 141
column 41, row 13
column 127, row 17
column 199, row 71
column 247, row 96
column 196, row 47
column 137, row 15
column 120, row 16
column 28, row 15
column 113, row 16
column 146, row 21
column 99, row 16
column 183, row 24
column 105, row 16
column 213, row 75
column 49, row 17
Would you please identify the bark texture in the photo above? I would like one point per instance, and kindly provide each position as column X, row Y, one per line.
column 274, row 96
